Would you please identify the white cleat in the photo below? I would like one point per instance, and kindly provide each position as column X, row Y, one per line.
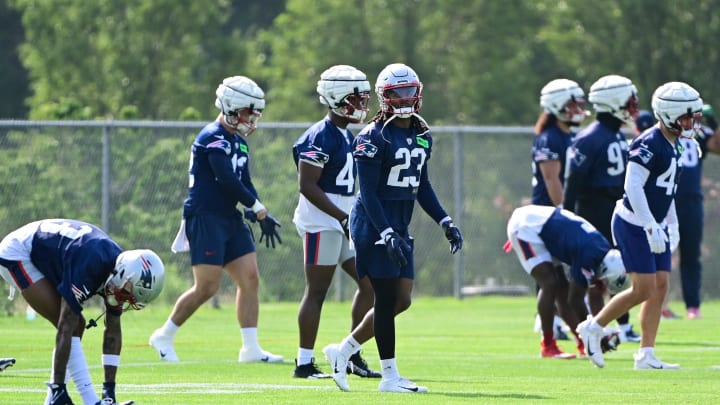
column 258, row 355
column 401, row 385
column 338, row 363
column 648, row 361
column 164, row 346
column 591, row 339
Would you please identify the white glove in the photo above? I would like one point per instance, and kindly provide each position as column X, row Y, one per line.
column 674, row 235
column 657, row 239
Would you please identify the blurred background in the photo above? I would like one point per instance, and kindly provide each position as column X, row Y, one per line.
column 100, row 101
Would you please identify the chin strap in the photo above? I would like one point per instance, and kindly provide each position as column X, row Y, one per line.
column 93, row 322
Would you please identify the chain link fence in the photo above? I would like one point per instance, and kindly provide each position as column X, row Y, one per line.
column 130, row 177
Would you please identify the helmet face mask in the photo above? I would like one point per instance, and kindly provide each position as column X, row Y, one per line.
column 565, row 99
column 137, row 279
column 346, row 91
column 399, row 90
column 678, row 107
column 242, row 102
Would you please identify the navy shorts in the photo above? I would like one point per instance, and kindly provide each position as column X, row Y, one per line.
column 635, row 249
column 371, row 259
column 217, row 240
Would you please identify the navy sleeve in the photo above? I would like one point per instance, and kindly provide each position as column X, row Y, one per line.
column 427, row 198
column 223, row 171
column 368, row 179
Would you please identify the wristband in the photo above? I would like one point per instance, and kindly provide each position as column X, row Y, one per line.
column 111, row 360
column 257, row 207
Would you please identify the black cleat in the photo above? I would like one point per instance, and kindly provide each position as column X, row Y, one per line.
column 309, row 371
column 5, row 363
column 358, row 366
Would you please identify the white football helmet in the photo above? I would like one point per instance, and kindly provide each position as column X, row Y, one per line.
column 675, row 100
column 557, row 94
column 138, row 278
column 346, row 91
column 616, row 95
column 399, row 90
column 612, row 272
column 237, row 94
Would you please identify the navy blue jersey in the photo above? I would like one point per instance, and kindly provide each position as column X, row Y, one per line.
column 599, row 155
column 392, row 172
column 654, row 152
column 76, row 257
column 574, row 241
column 691, row 161
column 219, row 173
column 551, row 144
column 326, row 146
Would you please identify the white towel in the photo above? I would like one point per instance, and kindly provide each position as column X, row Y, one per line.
column 180, row 244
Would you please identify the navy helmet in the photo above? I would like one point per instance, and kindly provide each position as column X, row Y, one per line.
column 644, row 120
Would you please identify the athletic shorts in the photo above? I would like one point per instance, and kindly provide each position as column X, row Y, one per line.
column 635, row 249
column 326, row 248
column 530, row 254
column 20, row 273
column 217, row 240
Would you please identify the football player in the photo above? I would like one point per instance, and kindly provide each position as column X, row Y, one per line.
column 596, row 167
column 391, row 154
column 541, row 236
column 213, row 229
column 57, row 264
column 645, row 223
column 326, row 179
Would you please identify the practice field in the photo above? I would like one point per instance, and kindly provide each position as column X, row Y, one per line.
column 478, row 350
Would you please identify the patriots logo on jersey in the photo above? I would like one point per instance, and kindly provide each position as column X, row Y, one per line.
column 643, row 153
column 221, row 144
column 577, row 157
column 365, row 149
column 315, row 156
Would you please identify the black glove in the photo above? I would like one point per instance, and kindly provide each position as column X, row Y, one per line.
column 268, row 231
column 397, row 248
column 453, row 235
column 59, row 394
column 345, row 223
column 250, row 215
column 610, row 342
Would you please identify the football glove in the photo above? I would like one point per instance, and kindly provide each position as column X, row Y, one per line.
column 656, row 237
column 250, row 215
column 397, row 248
column 59, row 394
column 345, row 223
column 674, row 236
column 453, row 235
column 609, row 342
column 268, row 231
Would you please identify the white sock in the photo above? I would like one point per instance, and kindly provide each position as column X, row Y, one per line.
column 389, row 369
column 625, row 327
column 249, row 338
column 169, row 329
column 647, row 350
column 594, row 325
column 349, row 346
column 305, row 356
column 78, row 371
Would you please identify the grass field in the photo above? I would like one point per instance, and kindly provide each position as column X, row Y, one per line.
column 478, row 350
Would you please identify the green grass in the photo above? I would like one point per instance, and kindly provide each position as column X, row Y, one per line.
column 479, row 350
